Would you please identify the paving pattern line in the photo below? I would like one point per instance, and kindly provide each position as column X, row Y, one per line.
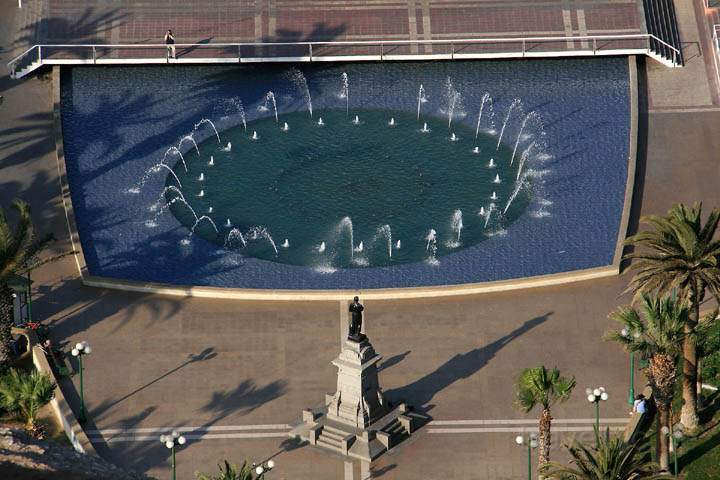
column 208, row 436
column 526, row 420
column 519, row 429
column 214, row 428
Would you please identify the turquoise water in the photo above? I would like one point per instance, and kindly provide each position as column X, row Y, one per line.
column 301, row 183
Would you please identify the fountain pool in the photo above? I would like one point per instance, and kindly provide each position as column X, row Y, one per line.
column 387, row 175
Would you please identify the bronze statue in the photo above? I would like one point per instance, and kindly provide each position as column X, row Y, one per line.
column 356, row 310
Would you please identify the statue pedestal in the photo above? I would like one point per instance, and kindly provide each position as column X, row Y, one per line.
column 356, row 421
column 358, row 400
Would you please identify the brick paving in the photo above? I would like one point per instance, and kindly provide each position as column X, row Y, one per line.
column 321, row 20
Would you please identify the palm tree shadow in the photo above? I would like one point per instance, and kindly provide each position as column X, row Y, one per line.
column 421, row 392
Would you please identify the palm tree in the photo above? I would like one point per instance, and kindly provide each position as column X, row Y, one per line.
column 540, row 386
column 24, row 393
column 609, row 459
column 18, row 254
column 657, row 336
column 230, row 472
column 680, row 255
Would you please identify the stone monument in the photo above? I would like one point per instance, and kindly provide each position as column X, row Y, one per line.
column 356, row 421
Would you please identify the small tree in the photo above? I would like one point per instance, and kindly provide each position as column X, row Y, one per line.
column 540, row 386
column 658, row 336
column 230, row 472
column 609, row 459
column 25, row 394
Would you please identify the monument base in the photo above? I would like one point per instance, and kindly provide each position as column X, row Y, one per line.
column 356, row 421
column 362, row 443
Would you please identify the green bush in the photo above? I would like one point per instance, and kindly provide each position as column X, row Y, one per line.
column 25, row 393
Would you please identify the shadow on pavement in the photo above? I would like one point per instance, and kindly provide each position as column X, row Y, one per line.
column 421, row 392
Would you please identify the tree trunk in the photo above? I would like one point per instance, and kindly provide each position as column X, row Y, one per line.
column 6, row 323
column 698, row 390
column 544, row 437
column 688, row 414
column 663, row 440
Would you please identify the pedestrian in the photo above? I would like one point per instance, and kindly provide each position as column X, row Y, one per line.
column 170, row 42
column 639, row 405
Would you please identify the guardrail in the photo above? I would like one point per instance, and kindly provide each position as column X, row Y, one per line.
column 472, row 48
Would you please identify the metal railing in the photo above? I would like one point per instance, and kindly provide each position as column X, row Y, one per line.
column 500, row 47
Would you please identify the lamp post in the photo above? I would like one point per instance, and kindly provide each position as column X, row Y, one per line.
column 531, row 442
column 625, row 332
column 675, row 438
column 81, row 349
column 596, row 395
column 171, row 441
column 263, row 468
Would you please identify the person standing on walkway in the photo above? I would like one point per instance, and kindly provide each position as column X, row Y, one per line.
column 170, row 42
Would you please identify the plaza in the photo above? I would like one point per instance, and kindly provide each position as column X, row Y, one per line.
column 233, row 363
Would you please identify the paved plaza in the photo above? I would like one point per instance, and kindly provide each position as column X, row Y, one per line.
column 235, row 374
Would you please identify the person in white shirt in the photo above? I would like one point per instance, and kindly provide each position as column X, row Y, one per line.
column 639, row 405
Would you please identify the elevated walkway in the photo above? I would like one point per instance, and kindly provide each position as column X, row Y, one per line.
column 347, row 51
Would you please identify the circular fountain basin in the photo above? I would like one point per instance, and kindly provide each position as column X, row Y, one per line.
column 342, row 194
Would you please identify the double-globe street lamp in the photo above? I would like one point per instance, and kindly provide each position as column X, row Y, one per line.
column 625, row 332
column 597, row 395
column 171, row 441
column 81, row 349
column 263, row 468
column 531, row 442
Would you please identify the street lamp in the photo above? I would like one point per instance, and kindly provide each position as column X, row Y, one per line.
column 263, row 468
column 625, row 332
column 531, row 442
column 171, row 441
column 596, row 395
column 81, row 349
column 675, row 438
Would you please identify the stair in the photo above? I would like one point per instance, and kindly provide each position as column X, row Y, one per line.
column 331, row 438
column 25, row 70
column 661, row 22
column 396, row 431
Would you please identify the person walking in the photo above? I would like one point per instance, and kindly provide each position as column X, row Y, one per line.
column 170, row 42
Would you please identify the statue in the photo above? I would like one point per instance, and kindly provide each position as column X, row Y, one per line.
column 356, row 310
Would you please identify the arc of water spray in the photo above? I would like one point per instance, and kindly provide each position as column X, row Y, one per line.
column 233, row 234
column 386, row 231
column 519, row 136
column 421, row 99
column 485, row 99
column 515, row 103
column 270, row 98
column 345, row 91
column 189, row 138
column 209, row 122
column 453, row 97
column 256, row 232
column 346, row 223
column 176, row 151
column 301, row 82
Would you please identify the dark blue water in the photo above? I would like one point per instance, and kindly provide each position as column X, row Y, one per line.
column 118, row 122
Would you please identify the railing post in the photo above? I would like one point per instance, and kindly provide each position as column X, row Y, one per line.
column 239, row 53
column 452, row 51
column 311, row 55
column 523, row 47
column 382, row 50
column 94, row 55
column 39, row 53
column 594, row 46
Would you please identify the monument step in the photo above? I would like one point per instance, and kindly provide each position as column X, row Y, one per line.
column 329, row 428
column 334, row 435
column 322, row 442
